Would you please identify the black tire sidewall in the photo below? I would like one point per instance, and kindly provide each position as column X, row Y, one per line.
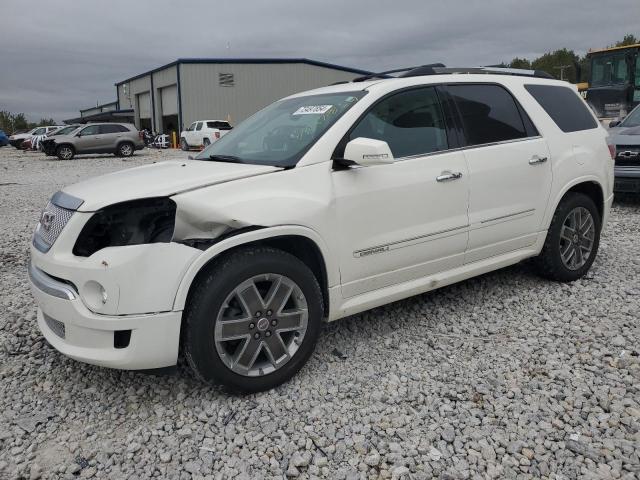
column 554, row 260
column 119, row 151
column 206, row 142
column 214, row 287
column 184, row 146
column 59, row 155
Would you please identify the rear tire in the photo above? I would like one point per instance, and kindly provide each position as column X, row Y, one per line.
column 184, row 146
column 65, row 152
column 125, row 149
column 274, row 330
column 569, row 252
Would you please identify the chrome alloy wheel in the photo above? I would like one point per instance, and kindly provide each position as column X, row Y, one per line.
column 577, row 237
column 66, row 153
column 126, row 150
column 261, row 325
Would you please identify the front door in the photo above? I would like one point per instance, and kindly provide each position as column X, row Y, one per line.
column 509, row 168
column 88, row 139
column 406, row 220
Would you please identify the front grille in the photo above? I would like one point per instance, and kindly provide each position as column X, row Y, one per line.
column 628, row 155
column 52, row 221
column 55, row 326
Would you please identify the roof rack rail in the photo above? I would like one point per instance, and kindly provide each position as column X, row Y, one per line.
column 441, row 70
column 386, row 73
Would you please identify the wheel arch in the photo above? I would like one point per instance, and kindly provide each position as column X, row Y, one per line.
column 590, row 186
column 66, row 144
column 301, row 242
column 122, row 142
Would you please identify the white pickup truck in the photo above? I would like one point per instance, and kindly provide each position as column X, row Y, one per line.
column 203, row 133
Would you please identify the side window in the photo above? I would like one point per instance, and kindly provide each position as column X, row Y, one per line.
column 198, row 126
column 489, row 113
column 107, row 129
column 192, row 127
column 90, row 130
column 112, row 128
column 565, row 107
column 39, row 131
column 411, row 122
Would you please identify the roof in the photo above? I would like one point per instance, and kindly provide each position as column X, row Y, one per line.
column 109, row 116
column 115, row 102
column 386, row 85
column 601, row 50
column 247, row 61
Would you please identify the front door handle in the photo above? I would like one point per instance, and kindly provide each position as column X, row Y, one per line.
column 536, row 159
column 447, row 176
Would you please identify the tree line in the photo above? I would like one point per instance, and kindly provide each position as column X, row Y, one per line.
column 566, row 63
column 12, row 122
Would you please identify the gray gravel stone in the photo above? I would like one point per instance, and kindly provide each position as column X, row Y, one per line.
column 502, row 376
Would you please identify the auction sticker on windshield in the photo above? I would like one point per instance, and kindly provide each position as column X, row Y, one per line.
column 312, row 110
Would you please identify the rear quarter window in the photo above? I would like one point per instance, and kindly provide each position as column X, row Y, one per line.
column 489, row 113
column 569, row 112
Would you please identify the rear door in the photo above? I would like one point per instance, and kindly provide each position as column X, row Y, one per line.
column 111, row 135
column 509, row 168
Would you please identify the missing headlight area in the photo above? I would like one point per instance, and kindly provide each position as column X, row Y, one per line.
column 136, row 222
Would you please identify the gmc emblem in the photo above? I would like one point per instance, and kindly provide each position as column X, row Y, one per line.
column 47, row 220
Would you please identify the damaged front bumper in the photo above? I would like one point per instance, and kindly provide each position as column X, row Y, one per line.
column 141, row 341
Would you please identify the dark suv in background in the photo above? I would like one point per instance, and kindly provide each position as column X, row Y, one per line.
column 121, row 139
column 625, row 135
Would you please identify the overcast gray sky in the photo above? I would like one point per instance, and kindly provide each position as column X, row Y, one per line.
column 59, row 56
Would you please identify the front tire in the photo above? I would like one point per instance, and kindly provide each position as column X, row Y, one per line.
column 65, row 152
column 572, row 239
column 252, row 320
column 184, row 146
column 206, row 142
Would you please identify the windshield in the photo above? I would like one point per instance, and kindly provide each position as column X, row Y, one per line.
column 633, row 119
column 65, row 130
column 280, row 134
column 609, row 69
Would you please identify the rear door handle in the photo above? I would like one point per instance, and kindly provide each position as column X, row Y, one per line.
column 536, row 159
column 448, row 176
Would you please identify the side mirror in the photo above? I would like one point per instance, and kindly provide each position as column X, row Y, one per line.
column 368, row 152
column 614, row 123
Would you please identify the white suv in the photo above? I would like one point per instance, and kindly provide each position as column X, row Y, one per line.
column 324, row 204
column 203, row 133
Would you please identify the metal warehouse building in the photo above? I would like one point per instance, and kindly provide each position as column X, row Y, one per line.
column 173, row 96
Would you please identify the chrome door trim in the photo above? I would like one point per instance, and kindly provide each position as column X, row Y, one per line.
column 510, row 215
column 405, row 243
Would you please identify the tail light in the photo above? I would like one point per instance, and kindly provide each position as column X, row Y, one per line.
column 612, row 151
column 217, row 134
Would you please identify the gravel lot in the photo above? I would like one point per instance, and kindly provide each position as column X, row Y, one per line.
column 502, row 376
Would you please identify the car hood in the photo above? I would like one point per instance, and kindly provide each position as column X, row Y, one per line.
column 61, row 138
column 625, row 136
column 20, row 136
column 159, row 179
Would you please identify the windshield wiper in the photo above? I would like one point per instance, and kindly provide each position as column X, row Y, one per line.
column 225, row 158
